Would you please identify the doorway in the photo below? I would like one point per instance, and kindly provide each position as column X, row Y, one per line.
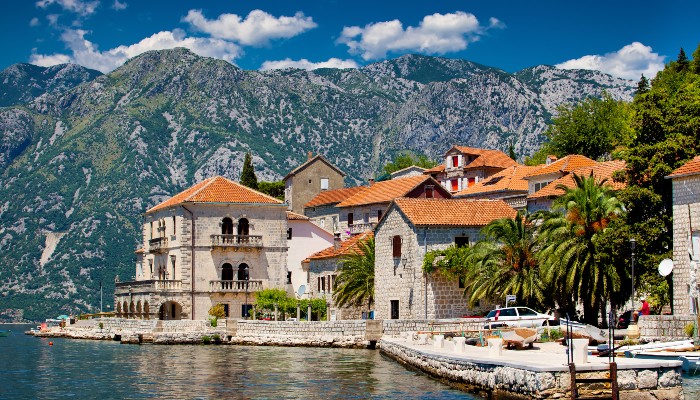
column 394, row 309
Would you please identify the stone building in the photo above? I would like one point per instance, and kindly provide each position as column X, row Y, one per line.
column 303, row 238
column 309, row 179
column 413, row 170
column 552, row 170
column 410, row 229
column 322, row 209
column 686, row 236
column 508, row 185
column 216, row 242
column 362, row 211
column 323, row 268
column 466, row 166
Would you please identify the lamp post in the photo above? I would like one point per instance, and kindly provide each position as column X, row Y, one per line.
column 245, row 306
column 633, row 244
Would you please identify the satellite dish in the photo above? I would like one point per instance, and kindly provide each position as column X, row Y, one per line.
column 301, row 290
column 666, row 267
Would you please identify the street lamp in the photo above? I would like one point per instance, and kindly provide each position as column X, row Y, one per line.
column 633, row 244
column 245, row 307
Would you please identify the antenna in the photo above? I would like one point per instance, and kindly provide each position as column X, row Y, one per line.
column 666, row 267
column 301, row 291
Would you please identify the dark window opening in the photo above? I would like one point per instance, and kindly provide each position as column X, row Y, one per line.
column 461, row 282
column 379, row 215
column 429, row 192
column 243, row 227
column 243, row 272
column 289, row 276
column 396, row 246
column 394, row 309
column 350, row 219
column 289, row 234
column 226, row 312
column 227, row 226
column 461, row 241
column 227, row 272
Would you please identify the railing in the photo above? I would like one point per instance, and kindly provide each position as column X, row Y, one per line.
column 236, row 241
column 362, row 227
column 148, row 286
column 236, row 286
column 157, row 245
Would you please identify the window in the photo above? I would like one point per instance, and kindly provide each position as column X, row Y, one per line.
column 461, row 283
column 508, row 312
column 396, row 246
column 471, row 182
column 334, row 219
column 324, row 183
column 173, row 225
column 172, row 262
column 226, row 312
column 524, row 311
column 289, row 234
column 319, row 284
column 455, row 161
column 366, row 218
column 394, row 309
column 322, row 222
column 379, row 215
column 461, row 241
column 289, row 276
column 323, row 283
column 429, row 191
column 227, row 226
column 350, row 219
column 227, row 272
column 243, row 272
column 243, row 227
column 454, row 184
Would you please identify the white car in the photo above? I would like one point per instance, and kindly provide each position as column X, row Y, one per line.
column 518, row 317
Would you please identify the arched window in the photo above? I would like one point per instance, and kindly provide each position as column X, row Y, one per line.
column 227, row 226
column 243, row 227
column 227, row 272
column 243, row 272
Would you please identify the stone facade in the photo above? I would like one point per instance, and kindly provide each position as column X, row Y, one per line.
column 308, row 180
column 686, row 241
column 322, row 274
column 664, row 328
column 181, row 272
column 401, row 281
column 326, row 216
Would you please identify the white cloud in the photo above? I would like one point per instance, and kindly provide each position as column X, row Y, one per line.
column 630, row 62
column 436, row 34
column 119, row 6
column 80, row 7
column 34, row 22
column 257, row 29
column 308, row 65
column 86, row 53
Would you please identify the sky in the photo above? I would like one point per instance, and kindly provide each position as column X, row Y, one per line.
column 624, row 39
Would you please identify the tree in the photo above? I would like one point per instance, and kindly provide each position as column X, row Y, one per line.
column 594, row 128
column 274, row 189
column 642, row 85
column 695, row 64
column 569, row 256
column 511, row 151
column 406, row 159
column 682, row 62
column 504, row 262
column 248, row 177
column 355, row 281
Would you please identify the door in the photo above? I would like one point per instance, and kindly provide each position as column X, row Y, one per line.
column 394, row 309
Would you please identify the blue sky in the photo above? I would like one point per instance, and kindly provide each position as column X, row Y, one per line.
column 620, row 38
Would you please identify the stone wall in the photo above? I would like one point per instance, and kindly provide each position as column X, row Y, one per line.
column 686, row 221
column 394, row 327
column 294, row 333
column 305, row 184
column 664, row 327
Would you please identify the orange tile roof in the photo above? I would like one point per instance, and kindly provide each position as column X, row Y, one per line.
column 563, row 165
column 217, row 190
column 333, row 196
column 385, row 191
column 348, row 246
column 436, row 169
column 510, row 179
column 453, row 212
column 486, row 158
column 603, row 170
column 692, row 167
column 292, row 216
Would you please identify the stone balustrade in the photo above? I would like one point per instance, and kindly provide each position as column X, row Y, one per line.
column 238, row 286
column 236, row 241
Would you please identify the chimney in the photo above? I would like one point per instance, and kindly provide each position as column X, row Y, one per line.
column 371, row 181
column 336, row 240
column 551, row 159
column 309, row 155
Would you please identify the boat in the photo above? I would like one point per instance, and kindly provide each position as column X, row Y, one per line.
column 690, row 359
column 4, row 333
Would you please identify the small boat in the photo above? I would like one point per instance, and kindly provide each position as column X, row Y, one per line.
column 690, row 359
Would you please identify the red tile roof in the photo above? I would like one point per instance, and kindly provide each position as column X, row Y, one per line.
column 510, row 179
column 217, row 190
column 486, row 158
column 453, row 212
column 436, row 169
column 563, row 165
column 386, row 191
column 692, row 167
column 292, row 216
column 333, row 196
column 348, row 246
column 603, row 170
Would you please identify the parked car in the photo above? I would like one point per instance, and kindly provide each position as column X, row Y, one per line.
column 518, row 317
column 623, row 321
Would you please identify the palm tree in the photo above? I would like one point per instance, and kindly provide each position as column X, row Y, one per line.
column 504, row 262
column 355, row 282
column 569, row 255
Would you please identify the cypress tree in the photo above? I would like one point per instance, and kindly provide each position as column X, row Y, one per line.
column 248, row 177
column 682, row 62
column 511, row 151
column 642, row 85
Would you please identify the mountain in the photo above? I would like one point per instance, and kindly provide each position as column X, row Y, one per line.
column 22, row 83
column 79, row 166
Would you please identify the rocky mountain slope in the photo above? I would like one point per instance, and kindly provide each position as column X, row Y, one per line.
column 79, row 166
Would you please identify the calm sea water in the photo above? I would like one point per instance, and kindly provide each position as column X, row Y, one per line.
column 84, row 369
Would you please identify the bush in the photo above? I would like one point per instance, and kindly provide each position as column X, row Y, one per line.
column 217, row 311
column 101, row 325
column 689, row 330
column 206, row 339
column 213, row 321
column 216, row 338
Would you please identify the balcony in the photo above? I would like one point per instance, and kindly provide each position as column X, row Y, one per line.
column 236, row 241
column 158, row 245
column 235, row 286
column 149, row 286
column 362, row 227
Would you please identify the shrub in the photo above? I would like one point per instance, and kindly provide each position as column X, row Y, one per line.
column 689, row 330
column 213, row 321
column 206, row 339
column 216, row 338
column 101, row 325
column 217, row 311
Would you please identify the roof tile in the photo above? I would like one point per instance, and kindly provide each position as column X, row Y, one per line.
column 486, row 158
column 603, row 170
column 692, row 167
column 510, row 179
column 333, row 196
column 454, row 212
column 292, row 216
column 563, row 165
column 347, row 246
column 385, row 191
